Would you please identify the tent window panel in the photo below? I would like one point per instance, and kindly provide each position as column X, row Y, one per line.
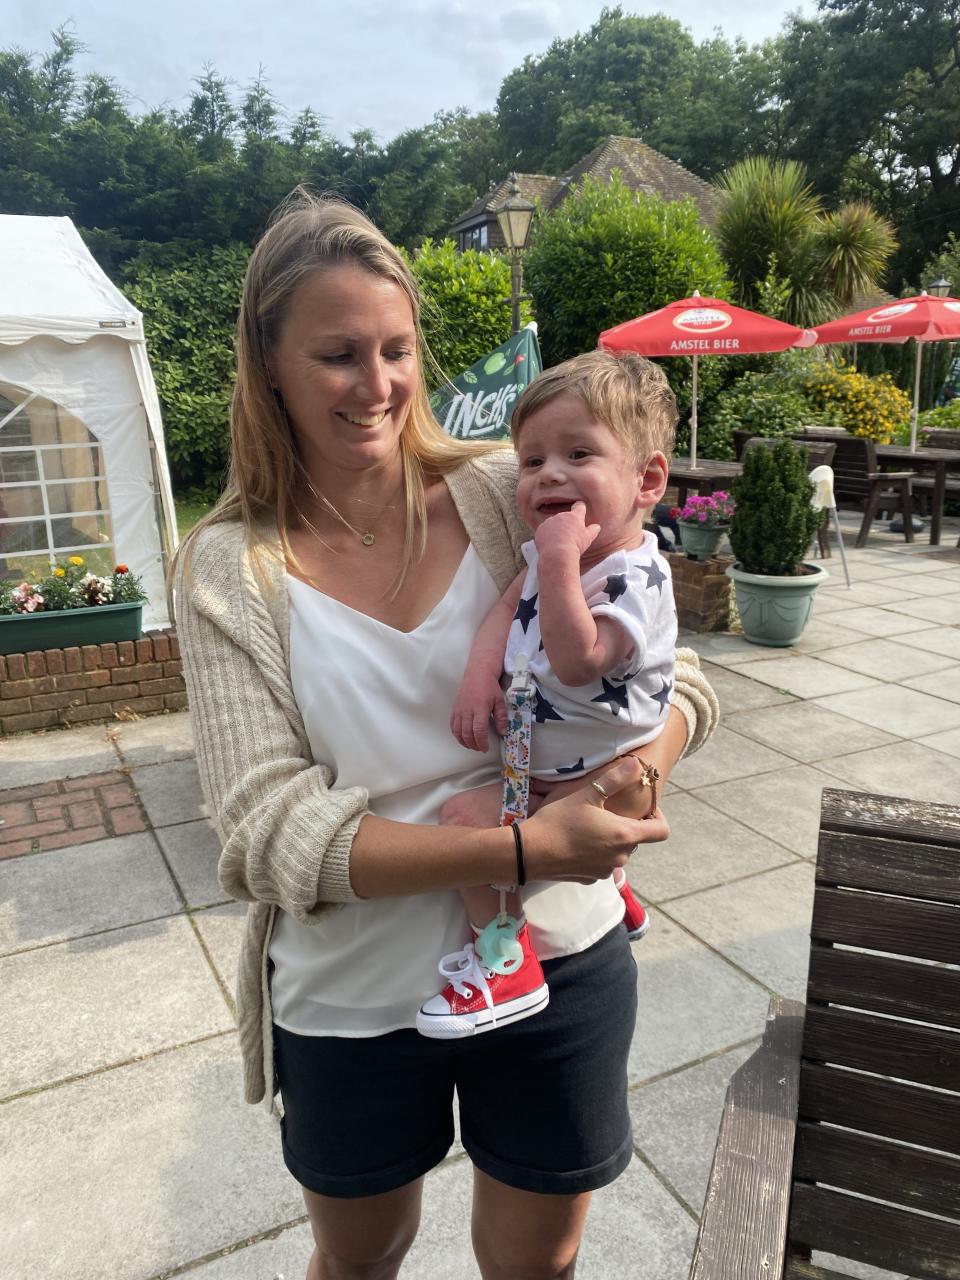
column 20, row 500
column 18, row 567
column 81, row 495
column 80, row 462
column 23, row 535
column 16, row 466
column 79, row 531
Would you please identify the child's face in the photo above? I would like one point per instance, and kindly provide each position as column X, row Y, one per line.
column 567, row 456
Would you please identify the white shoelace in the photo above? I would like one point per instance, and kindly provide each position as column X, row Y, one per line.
column 464, row 969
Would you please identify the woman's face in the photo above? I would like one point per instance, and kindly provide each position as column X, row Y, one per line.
column 346, row 366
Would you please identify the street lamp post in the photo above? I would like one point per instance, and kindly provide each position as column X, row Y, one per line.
column 514, row 217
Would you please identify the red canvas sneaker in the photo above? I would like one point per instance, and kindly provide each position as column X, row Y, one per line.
column 635, row 919
column 494, row 981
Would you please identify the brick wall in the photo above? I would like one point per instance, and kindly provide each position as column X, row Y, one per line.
column 56, row 688
column 701, row 589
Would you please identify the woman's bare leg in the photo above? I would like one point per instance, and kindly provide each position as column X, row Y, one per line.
column 363, row 1239
column 520, row 1235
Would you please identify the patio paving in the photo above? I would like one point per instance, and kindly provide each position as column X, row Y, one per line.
column 125, row 1150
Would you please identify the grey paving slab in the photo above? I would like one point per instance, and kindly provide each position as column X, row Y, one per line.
column 806, row 731
column 908, row 769
column 934, row 584
column 805, row 677
column 705, row 848
column 948, row 741
column 676, row 1119
column 222, row 931
column 861, row 569
column 78, row 1006
column 942, row 684
column 726, row 755
column 945, row 610
column 761, row 923
column 728, row 649
column 192, row 850
column 636, row 1228
column 896, row 709
column 785, row 806
column 827, row 603
column 692, row 1003
column 944, row 640
column 885, row 659
column 49, row 897
column 170, row 792
column 876, row 622
column 824, row 633
column 739, row 693
column 155, row 740
column 284, row 1253
column 167, row 1165
column 879, row 592
column 29, row 758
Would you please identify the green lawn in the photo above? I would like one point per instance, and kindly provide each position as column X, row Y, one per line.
column 188, row 513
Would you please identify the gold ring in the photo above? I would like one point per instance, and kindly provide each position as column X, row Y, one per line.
column 597, row 787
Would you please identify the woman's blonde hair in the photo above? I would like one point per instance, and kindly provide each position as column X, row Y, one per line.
column 311, row 233
column 628, row 393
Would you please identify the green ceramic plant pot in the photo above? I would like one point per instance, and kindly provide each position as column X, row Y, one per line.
column 700, row 541
column 774, row 610
column 66, row 628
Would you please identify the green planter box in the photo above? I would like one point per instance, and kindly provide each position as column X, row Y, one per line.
column 65, row 628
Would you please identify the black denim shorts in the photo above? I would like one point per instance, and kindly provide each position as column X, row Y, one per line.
column 543, row 1102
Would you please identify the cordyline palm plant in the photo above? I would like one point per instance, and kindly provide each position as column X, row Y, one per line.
column 771, row 220
column 774, row 523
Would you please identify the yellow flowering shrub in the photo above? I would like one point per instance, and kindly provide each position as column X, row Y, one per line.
column 874, row 407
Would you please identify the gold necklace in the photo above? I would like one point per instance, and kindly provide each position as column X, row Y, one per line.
column 368, row 537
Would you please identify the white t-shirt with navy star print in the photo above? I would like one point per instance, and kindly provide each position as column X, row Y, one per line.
column 579, row 729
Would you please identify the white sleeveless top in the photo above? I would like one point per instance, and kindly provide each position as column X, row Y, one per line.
column 376, row 705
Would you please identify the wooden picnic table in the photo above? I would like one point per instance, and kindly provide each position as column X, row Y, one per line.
column 939, row 461
column 709, row 474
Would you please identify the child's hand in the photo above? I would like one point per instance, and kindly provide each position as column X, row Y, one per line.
column 477, row 808
column 479, row 700
column 566, row 532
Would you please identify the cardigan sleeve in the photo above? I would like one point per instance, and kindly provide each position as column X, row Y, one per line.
column 286, row 834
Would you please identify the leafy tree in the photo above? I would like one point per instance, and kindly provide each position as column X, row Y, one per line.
column 466, row 305
column 418, row 195
column 773, row 228
column 190, row 310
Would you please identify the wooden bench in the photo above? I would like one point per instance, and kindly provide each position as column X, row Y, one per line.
column 941, row 437
column 858, row 478
column 841, row 1134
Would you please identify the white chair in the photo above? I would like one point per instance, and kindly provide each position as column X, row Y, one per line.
column 823, row 500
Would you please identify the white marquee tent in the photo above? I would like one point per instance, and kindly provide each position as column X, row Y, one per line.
column 83, row 469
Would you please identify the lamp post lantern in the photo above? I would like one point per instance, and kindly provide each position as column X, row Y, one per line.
column 514, row 217
column 940, row 288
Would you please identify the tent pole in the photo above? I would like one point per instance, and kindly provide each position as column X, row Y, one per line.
column 916, row 398
column 693, row 417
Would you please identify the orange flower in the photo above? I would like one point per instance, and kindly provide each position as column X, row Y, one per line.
column 121, row 568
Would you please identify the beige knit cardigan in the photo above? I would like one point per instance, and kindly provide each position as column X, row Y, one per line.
column 286, row 833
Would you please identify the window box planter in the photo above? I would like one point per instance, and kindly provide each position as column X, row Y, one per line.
column 66, row 628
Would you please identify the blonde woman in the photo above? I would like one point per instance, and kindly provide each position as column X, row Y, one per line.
column 326, row 609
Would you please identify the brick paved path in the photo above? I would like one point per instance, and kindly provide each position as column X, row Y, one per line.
column 50, row 815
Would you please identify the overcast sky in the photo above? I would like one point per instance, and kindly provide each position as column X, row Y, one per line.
column 385, row 65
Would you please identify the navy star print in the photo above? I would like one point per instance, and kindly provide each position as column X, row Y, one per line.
column 663, row 695
column 616, row 586
column 526, row 612
column 614, row 695
column 655, row 576
column 572, row 768
column 543, row 710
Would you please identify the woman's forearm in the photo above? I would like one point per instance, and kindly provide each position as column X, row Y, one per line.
column 392, row 859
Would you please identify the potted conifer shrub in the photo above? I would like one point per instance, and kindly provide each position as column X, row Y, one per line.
column 770, row 533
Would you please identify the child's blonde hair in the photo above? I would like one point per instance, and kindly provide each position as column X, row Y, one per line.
column 629, row 394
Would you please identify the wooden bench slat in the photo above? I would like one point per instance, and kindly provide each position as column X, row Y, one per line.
column 904, row 926
column 744, row 1223
column 863, row 860
column 888, row 1237
column 800, row 1269
column 924, row 1055
column 921, row 820
column 889, row 1108
column 882, row 984
column 854, row 1162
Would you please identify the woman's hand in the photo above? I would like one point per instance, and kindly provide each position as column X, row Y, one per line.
column 576, row 838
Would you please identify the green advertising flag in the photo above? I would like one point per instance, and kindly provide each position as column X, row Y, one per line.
column 479, row 403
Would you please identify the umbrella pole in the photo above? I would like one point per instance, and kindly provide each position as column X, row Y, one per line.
column 916, row 399
column 693, row 416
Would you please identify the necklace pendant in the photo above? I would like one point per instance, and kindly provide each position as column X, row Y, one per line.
column 368, row 539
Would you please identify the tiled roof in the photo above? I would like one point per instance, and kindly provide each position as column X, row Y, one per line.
column 532, row 186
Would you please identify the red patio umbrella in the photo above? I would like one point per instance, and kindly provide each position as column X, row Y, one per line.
column 925, row 318
column 697, row 327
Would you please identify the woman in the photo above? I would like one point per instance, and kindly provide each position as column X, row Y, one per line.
column 325, row 610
